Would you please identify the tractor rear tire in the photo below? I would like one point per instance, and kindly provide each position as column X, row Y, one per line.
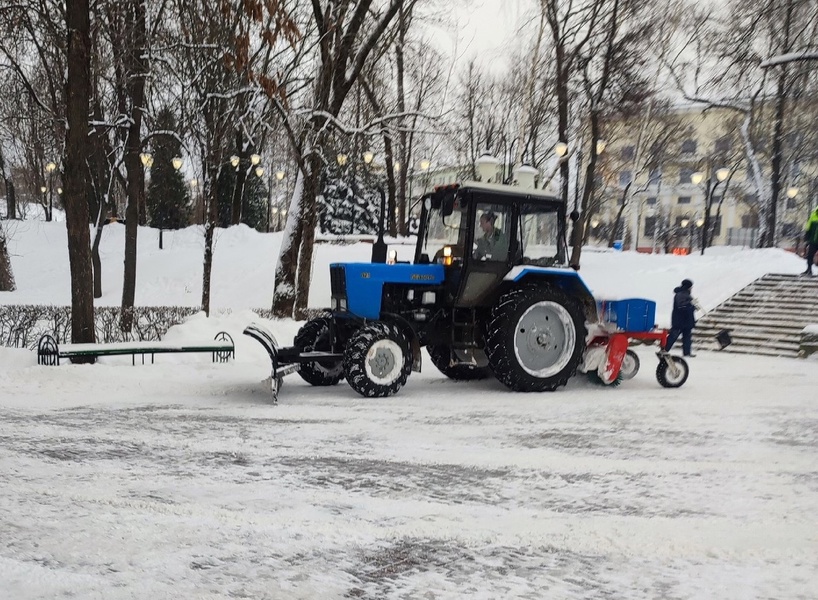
column 535, row 338
column 377, row 360
column 441, row 358
column 314, row 336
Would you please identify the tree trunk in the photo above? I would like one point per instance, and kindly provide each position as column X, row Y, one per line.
column 6, row 274
column 404, row 150
column 210, row 230
column 308, row 221
column 95, row 258
column 135, row 70
column 287, row 267
column 11, row 198
column 240, row 177
column 775, row 176
column 78, row 90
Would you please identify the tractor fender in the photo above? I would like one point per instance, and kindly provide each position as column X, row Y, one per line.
column 411, row 336
column 567, row 280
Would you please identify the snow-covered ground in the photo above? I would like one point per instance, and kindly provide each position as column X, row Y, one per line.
column 181, row 480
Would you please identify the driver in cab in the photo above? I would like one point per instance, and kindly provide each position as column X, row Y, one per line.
column 493, row 244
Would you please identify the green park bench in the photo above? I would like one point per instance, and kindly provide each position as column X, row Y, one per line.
column 49, row 352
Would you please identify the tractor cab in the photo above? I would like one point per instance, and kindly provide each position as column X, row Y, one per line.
column 481, row 232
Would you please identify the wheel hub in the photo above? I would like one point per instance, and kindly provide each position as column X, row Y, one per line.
column 544, row 339
column 381, row 362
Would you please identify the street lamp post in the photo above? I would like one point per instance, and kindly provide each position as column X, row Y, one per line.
column 709, row 191
column 50, row 169
column 199, row 206
column 146, row 158
column 279, row 176
column 685, row 223
column 342, row 160
column 700, row 232
column 43, row 190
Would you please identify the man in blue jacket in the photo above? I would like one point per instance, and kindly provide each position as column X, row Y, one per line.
column 682, row 319
column 811, row 237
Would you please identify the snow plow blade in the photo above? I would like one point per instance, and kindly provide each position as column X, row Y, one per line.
column 283, row 360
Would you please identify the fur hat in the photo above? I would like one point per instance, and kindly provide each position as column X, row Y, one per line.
column 489, row 216
column 687, row 284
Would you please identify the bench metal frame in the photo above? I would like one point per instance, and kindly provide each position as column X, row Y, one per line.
column 49, row 352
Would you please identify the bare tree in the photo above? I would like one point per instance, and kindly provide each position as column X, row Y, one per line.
column 345, row 36
column 78, row 91
column 726, row 72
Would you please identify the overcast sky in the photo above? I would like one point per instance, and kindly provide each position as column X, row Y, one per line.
column 487, row 29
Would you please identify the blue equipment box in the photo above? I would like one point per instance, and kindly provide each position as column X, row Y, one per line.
column 632, row 314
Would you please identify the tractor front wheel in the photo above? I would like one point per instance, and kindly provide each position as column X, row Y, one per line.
column 314, row 336
column 377, row 360
column 535, row 339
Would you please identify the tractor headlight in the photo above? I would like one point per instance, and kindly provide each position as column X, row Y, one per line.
column 447, row 256
column 392, row 257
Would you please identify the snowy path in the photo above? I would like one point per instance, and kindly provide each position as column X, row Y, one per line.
column 181, row 481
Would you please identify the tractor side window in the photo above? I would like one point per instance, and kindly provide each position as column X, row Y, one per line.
column 491, row 232
column 539, row 235
column 443, row 232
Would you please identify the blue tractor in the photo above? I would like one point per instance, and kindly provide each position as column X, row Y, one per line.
column 489, row 293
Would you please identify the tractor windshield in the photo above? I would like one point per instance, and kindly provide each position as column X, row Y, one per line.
column 541, row 237
column 443, row 231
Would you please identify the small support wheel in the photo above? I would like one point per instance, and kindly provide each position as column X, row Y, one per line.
column 315, row 336
column 672, row 371
column 630, row 365
column 377, row 360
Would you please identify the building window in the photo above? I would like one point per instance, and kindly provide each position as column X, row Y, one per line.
column 624, row 178
column 685, row 174
column 651, row 201
column 791, row 204
column 790, row 230
column 715, row 200
column 655, row 176
column 650, row 225
column 689, row 147
column 722, row 145
column 628, row 152
column 684, row 199
column 749, row 221
column 715, row 226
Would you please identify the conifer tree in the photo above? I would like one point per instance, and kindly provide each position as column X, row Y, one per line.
column 168, row 199
column 254, row 198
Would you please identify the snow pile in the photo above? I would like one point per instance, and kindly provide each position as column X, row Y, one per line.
column 244, row 265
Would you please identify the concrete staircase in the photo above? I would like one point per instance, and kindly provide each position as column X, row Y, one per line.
column 766, row 317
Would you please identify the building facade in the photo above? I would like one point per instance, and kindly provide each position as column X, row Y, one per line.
column 669, row 171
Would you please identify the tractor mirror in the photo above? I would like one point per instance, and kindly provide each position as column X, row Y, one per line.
column 448, row 205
